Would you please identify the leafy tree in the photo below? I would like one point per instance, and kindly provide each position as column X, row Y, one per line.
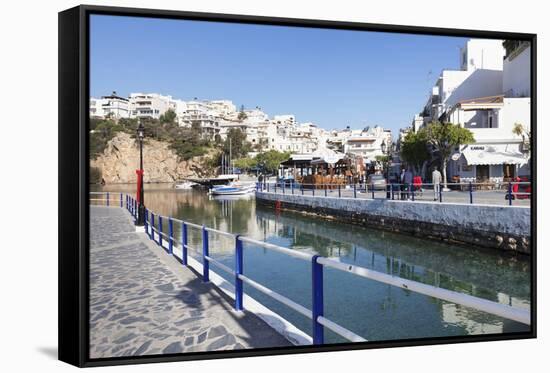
column 128, row 124
column 245, row 163
column 444, row 138
column 242, row 115
column 271, row 160
column 103, row 131
column 236, row 140
column 168, row 117
column 414, row 150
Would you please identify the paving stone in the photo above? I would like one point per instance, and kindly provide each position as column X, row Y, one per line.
column 142, row 302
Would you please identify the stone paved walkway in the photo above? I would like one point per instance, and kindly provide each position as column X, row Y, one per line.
column 143, row 302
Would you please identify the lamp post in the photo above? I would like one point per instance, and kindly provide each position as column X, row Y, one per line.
column 386, row 150
column 141, row 207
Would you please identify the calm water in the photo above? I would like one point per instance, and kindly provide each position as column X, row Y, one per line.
column 373, row 310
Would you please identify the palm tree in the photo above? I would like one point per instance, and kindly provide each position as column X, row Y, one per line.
column 520, row 130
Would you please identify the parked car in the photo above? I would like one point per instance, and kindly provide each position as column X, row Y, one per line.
column 377, row 180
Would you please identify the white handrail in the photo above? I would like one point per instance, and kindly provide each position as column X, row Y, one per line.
column 349, row 335
column 219, row 265
column 284, row 250
column 281, row 298
column 513, row 313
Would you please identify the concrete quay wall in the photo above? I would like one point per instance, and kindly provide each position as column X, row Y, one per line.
column 506, row 228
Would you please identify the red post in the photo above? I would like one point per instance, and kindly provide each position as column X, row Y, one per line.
column 138, row 192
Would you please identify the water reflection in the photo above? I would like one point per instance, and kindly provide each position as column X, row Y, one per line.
column 375, row 311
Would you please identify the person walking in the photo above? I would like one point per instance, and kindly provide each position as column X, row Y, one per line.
column 402, row 184
column 407, row 181
column 436, row 180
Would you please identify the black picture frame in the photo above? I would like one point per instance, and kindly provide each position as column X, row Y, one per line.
column 74, row 189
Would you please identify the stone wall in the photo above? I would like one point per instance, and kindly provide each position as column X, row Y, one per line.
column 119, row 161
column 499, row 227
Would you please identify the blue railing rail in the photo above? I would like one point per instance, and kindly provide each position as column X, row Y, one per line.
column 108, row 198
column 505, row 193
column 155, row 230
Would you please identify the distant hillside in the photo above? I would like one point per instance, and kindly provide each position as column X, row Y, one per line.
column 118, row 161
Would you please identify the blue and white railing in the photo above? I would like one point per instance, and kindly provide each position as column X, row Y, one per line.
column 504, row 193
column 108, row 198
column 155, row 229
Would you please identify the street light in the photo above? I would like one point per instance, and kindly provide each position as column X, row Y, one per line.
column 141, row 207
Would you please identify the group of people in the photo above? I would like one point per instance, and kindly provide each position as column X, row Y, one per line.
column 407, row 182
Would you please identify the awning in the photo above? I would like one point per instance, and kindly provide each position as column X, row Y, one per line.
column 493, row 155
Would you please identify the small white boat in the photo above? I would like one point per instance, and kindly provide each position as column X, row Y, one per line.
column 185, row 185
column 233, row 189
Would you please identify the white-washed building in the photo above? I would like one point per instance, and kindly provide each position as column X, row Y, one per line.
column 480, row 75
column 112, row 106
column 367, row 143
column 200, row 113
column 150, row 105
column 498, row 155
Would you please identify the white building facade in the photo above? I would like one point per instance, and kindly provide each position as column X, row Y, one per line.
column 480, row 76
column 112, row 106
column 498, row 155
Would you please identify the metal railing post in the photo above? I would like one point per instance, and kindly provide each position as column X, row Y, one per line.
column 183, row 243
column 170, row 236
column 313, row 190
column 411, row 190
column 302, row 188
column 145, row 220
column 325, row 190
column 392, row 192
column 509, row 194
column 292, row 187
column 284, row 187
column 339, row 191
column 108, row 198
column 152, row 226
column 268, row 187
column 354, row 190
column 121, row 205
column 205, row 262
column 471, row 193
column 317, row 300
column 160, row 231
column 238, row 271
column 372, row 190
column 275, row 187
column 440, row 192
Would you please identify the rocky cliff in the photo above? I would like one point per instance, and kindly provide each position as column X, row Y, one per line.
column 119, row 161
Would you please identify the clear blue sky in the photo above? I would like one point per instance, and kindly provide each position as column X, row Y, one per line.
column 330, row 77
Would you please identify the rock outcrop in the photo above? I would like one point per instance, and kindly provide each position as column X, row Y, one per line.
column 119, row 161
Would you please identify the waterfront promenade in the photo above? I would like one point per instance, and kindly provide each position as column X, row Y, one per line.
column 143, row 302
column 496, row 197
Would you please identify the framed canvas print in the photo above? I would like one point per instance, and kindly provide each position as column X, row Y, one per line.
column 234, row 185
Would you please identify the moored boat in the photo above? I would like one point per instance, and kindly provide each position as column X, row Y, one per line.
column 233, row 189
column 185, row 185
